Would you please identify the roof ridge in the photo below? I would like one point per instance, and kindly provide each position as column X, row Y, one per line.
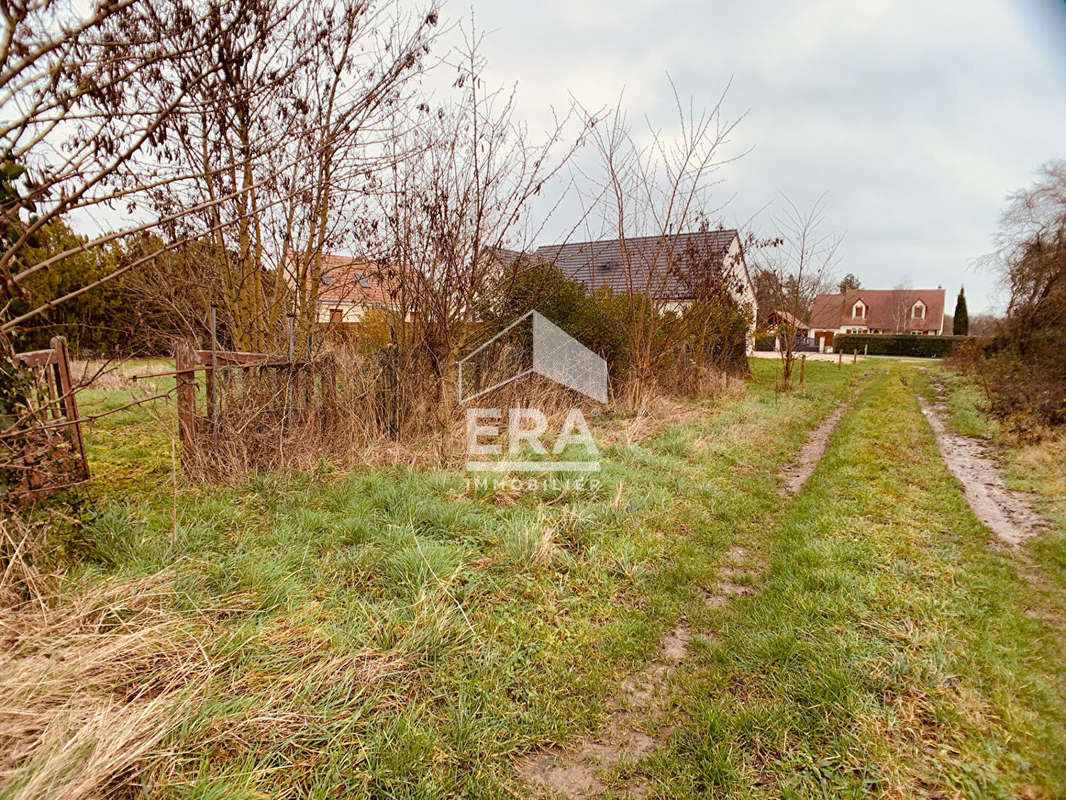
column 860, row 291
column 733, row 231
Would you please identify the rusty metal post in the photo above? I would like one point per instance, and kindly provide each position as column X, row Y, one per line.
column 212, row 375
column 65, row 390
column 290, row 394
column 310, row 377
column 184, row 366
column 328, row 376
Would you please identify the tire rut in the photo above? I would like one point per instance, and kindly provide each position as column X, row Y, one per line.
column 796, row 472
column 574, row 772
column 1002, row 510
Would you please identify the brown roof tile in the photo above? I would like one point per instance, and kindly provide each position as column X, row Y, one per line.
column 883, row 307
column 354, row 280
column 779, row 316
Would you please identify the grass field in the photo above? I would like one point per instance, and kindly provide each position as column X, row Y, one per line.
column 398, row 633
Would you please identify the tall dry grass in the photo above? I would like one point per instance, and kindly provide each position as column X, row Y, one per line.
column 393, row 407
column 91, row 681
column 359, row 409
column 95, row 679
column 98, row 374
column 380, row 409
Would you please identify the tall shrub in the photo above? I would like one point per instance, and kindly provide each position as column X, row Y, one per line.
column 594, row 320
column 103, row 321
column 960, row 325
column 1026, row 377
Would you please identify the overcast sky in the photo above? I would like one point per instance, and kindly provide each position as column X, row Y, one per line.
column 917, row 118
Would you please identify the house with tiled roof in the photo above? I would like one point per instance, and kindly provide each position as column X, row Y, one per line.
column 350, row 287
column 913, row 311
column 780, row 318
column 664, row 267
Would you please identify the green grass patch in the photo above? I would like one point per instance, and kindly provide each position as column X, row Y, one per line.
column 888, row 652
column 475, row 625
column 1035, row 467
column 399, row 633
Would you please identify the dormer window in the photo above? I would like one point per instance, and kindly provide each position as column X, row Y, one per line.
column 918, row 310
column 858, row 311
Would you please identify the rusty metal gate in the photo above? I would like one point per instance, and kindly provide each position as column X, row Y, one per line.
column 44, row 449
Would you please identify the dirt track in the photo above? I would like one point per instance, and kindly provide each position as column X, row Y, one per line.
column 796, row 473
column 1004, row 511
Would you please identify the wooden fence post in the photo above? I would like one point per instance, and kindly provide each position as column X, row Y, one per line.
column 184, row 363
column 65, row 390
column 854, row 356
column 803, row 368
column 840, row 358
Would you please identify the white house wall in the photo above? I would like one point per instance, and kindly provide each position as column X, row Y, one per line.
column 746, row 295
column 351, row 312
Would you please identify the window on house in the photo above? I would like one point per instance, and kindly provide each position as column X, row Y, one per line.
column 336, row 316
column 918, row 310
column 858, row 311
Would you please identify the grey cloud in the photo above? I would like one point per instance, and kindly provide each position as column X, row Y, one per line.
column 917, row 118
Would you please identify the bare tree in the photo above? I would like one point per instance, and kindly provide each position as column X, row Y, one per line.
column 802, row 268
column 289, row 140
column 457, row 201
column 901, row 306
column 985, row 325
column 1027, row 378
column 1031, row 244
column 74, row 122
column 656, row 185
column 236, row 131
